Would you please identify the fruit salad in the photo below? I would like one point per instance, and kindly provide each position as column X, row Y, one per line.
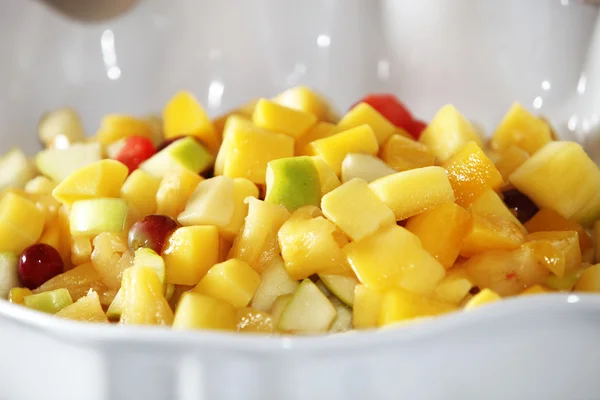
column 281, row 217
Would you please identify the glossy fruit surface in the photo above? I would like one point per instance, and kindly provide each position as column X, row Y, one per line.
column 39, row 263
column 151, row 232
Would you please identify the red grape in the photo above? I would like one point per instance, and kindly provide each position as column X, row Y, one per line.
column 524, row 207
column 39, row 263
column 136, row 150
column 151, row 232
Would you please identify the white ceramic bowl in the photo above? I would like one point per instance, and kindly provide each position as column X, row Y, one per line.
column 481, row 56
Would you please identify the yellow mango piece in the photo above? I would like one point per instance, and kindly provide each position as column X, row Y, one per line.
column 183, row 115
column 40, row 185
column 279, row 118
column 197, row 311
column 549, row 220
column 362, row 114
column 491, row 232
column 233, row 123
column 318, row 131
column 400, row 305
column 535, row 289
column 233, row 281
column 448, row 132
column 211, row 203
column 242, row 189
column 245, row 111
column 455, row 286
column 333, row 149
column 17, row 294
column 360, row 217
column 486, row 296
column 557, row 251
column 254, row 321
column 63, row 223
column 21, row 223
column 489, row 202
column 100, row 179
column 441, row 231
column 520, row 128
column 115, row 127
column 511, row 159
column 403, row 153
column 174, row 191
column 304, row 99
column 393, row 257
column 589, row 281
column 471, row 173
column 140, row 190
column 51, row 234
column 327, row 176
column 367, row 304
column 144, row 302
column 189, row 254
column 411, row 192
column 86, row 309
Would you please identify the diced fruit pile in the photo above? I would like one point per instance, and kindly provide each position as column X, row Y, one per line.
column 280, row 217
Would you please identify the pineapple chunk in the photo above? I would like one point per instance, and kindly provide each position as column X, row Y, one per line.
column 448, row 132
column 21, row 223
column 190, row 252
column 211, row 203
column 520, row 128
column 596, row 244
column 51, row 234
column 510, row 160
column 254, row 321
column 490, row 232
column 183, row 115
column 589, row 281
column 233, row 123
column 557, row 251
column 40, row 185
column 175, row 190
column 242, row 189
column 455, row 286
column 403, row 153
column 400, row 305
column 17, row 295
column 116, row 127
column 232, row 281
column 362, row 114
column 274, row 283
column 486, row 296
column 334, row 149
column 471, row 173
column 308, row 311
column 490, row 203
column 310, row 244
column 319, row 131
column 144, row 302
column 549, row 220
column 86, row 309
column 304, row 99
column 279, row 118
column 140, row 190
column 393, row 257
column 441, row 231
column 327, row 176
column 366, row 308
column 411, row 192
column 559, row 176
column 360, row 217
column 196, row 311
column 535, row 289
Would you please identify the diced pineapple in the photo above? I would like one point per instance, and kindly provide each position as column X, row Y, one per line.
column 399, row 305
column 211, row 203
column 115, row 127
column 366, row 308
column 62, row 221
column 486, row 296
column 309, row 244
column 58, row 125
column 40, row 185
column 520, row 128
column 196, row 311
column 490, row 203
column 441, row 231
column 403, row 153
column 175, row 190
column 233, row 123
column 471, row 173
column 303, row 98
column 455, row 286
column 559, row 176
column 596, row 244
column 557, row 251
column 411, row 192
column 511, row 159
column 333, row 149
column 360, row 217
column 279, row 118
column 448, row 132
column 183, row 115
column 274, row 283
column 254, row 321
column 86, row 309
column 21, row 223
column 549, row 220
column 140, row 190
column 308, row 311
column 233, row 281
column 535, row 289
column 144, row 302
column 363, row 113
column 490, row 232
column 327, row 176
column 110, row 257
column 589, row 281
column 242, row 189
column 81, row 250
column 17, row 294
column 51, row 234
column 319, row 131
column 393, row 257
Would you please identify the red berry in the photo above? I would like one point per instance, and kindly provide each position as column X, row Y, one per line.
column 136, row 150
column 391, row 108
column 416, row 128
column 39, row 263
column 151, row 232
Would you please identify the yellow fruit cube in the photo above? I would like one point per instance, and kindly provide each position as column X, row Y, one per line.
column 490, row 232
column 448, row 132
column 62, row 220
column 520, row 128
column 232, row 281
column 511, row 159
column 367, row 304
column 183, row 115
column 549, row 220
column 403, row 153
column 40, row 185
column 86, row 309
column 140, row 190
column 189, row 254
column 333, row 149
column 254, row 321
column 144, row 302
column 211, row 203
column 115, row 127
column 490, row 203
column 304, row 99
column 471, row 173
column 21, row 223
column 400, row 305
column 51, row 234
column 557, row 251
column 17, row 294
column 319, row 131
column 327, row 176
column 486, row 296
column 100, row 179
column 589, row 281
column 455, row 286
column 535, row 289
column 279, row 118
column 411, row 192
column 196, row 311
column 242, row 189
column 361, row 216
column 393, row 257
column 174, row 191
column 362, row 114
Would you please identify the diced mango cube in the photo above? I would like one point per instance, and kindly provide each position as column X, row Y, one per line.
column 363, row 113
column 189, row 254
column 400, row 305
column 511, row 159
column 242, row 189
column 491, row 232
column 367, row 304
column 521, row 129
column 333, row 149
column 51, row 234
column 279, row 118
column 17, row 294
column 140, row 190
column 144, row 302
column 489, row 202
column 486, row 296
column 361, row 216
column 254, row 321
column 535, row 289
column 197, row 311
column 21, row 223
column 174, row 191
column 115, row 127
column 448, row 132
column 303, row 98
column 441, row 231
column 549, row 220
column 318, row 131
column 471, row 173
column 393, row 257
column 589, row 281
column 455, row 286
column 558, row 251
column 403, row 153
column 411, row 192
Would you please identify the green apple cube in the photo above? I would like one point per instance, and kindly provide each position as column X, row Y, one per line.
column 94, row 216
column 308, row 311
column 116, row 307
column 278, row 306
column 9, row 276
column 293, row 182
column 57, row 164
column 15, row 170
column 49, row 302
column 211, row 203
column 148, row 258
column 187, row 153
column 364, row 166
column 341, row 287
column 274, row 282
column 343, row 318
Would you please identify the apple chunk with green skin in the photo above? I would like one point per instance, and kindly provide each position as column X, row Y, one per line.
column 308, row 311
column 57, row 164
column 94, row 216
column 211, row 203
column 293, row 182
column 15, row 169
column 187, row 153
column 50, row 302
column 9, row 276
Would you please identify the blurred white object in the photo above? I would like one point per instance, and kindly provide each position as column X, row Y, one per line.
column 480, row 56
